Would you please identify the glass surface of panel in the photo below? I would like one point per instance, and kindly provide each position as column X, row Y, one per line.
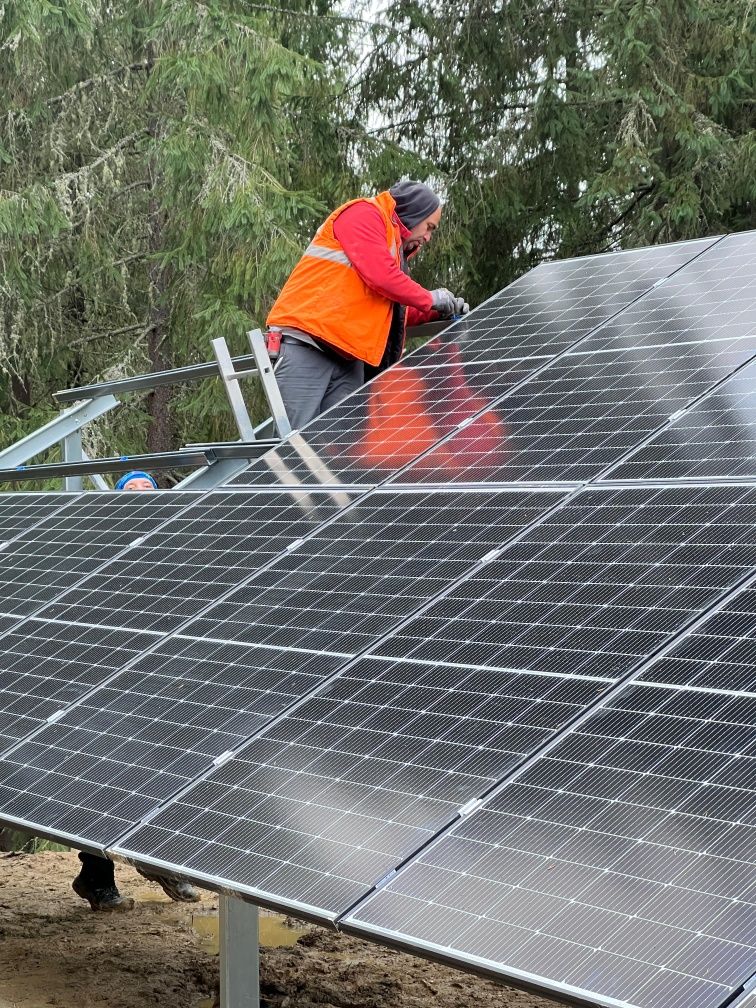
column 377, row 563
column 46, row 666
column 621, row 863
column 42, row 563
column 214, row 545
column 114, row 757
column 718, row 654
column 458, row 375
column 599, row 585
column 589, row 408
column 20, row 511
column 715, row 438
column 552, row 306
column 338, row 792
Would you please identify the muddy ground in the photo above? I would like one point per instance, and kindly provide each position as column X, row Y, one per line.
column 55, row 951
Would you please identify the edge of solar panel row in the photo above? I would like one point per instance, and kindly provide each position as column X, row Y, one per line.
column 310, row 729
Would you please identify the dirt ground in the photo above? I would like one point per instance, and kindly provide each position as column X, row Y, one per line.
column 55, row 951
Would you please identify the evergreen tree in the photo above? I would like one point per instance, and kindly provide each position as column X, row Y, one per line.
column 161, row 165
column 565, row 127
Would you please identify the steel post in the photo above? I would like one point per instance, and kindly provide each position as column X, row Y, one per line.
column 239, row 953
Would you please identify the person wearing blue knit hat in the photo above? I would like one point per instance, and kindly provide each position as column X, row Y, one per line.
column 96, row 880
column 136, row 480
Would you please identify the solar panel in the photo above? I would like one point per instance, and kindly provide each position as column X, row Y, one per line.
column 407, row 409
column 378, row 562
column 114, row 757
column 45, row 666
column 20, row 511
column 340, row 790
column 622, row 863
column 588, row 409
column 91, row 529
column 547, row 309
column 214, row 545
column 597, row 586
column 715, row 438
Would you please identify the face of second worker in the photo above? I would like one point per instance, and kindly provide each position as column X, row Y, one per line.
column 138, row 483
column 421, row 233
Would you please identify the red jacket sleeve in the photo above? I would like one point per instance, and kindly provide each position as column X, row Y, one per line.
column 417, row 317
column 361, row 232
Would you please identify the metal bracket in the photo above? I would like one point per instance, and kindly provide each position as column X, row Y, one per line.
column 67, row 424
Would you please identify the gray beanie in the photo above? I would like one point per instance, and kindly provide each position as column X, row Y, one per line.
column 414, row 202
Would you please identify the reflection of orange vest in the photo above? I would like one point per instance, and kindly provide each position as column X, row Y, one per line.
column 405, row 419
column 327, row 297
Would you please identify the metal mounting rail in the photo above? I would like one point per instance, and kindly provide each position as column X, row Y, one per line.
column 245, row 363
column 153, row 379
column 235, row 449
column 166, row 460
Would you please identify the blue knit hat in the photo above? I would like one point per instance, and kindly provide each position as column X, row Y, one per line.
column 136, row 474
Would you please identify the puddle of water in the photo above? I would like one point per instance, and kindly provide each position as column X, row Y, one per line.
column 274, row 931
column 206, row 926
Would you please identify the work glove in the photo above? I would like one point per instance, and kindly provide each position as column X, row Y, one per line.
column 448, row 304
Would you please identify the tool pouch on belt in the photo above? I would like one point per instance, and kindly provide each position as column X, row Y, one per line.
column 273, row 344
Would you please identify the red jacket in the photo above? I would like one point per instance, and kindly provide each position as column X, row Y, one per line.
column 361, row 233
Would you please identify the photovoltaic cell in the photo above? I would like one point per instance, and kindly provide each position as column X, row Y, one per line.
column 622, row 863
column 45, row 666
column 404, row 411
column 588, row 409
column 212, row 546
column 720, row 654
column 338, row 792
column 600, row 584
column 19, row 511
column 41, row 563
column 130, row 745
column 715, row 438
column 377, row 563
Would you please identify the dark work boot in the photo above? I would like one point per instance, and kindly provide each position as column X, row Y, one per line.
column 106, row 899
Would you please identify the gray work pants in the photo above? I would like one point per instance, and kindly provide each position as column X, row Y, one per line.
column 310, row 380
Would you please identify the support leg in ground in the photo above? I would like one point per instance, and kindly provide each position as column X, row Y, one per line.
column 239, row 954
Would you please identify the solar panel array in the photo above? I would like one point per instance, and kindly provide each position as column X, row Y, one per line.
column 464, row 667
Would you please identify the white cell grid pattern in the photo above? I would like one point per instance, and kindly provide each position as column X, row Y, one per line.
column 205, row 552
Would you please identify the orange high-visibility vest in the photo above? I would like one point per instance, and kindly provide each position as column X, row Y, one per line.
column 326, row 296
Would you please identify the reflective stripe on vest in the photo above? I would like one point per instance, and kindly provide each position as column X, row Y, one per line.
column 332, row 255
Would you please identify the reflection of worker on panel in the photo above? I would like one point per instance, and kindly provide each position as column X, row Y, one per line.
column 348, row 301
column 406, row 416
